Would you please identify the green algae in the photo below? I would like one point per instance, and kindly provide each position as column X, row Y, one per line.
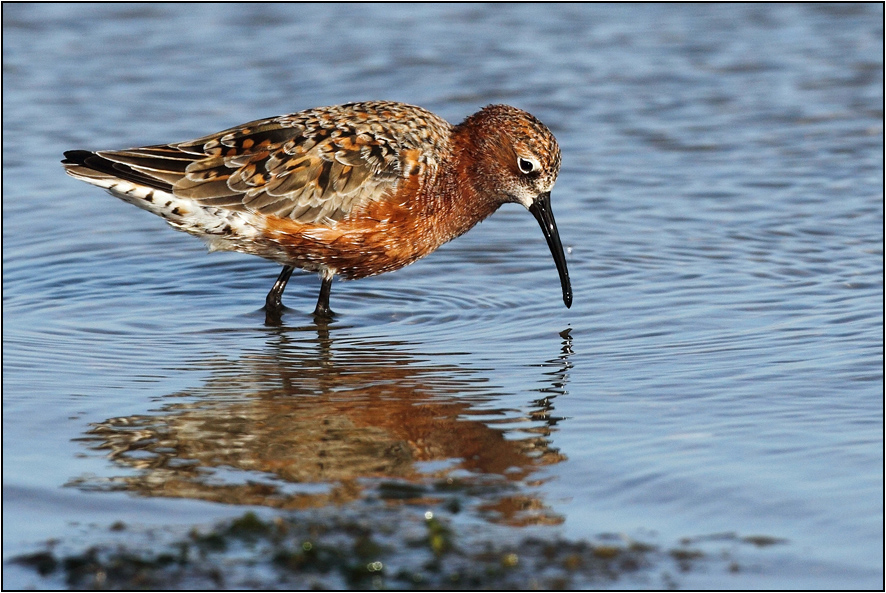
column 393, row 548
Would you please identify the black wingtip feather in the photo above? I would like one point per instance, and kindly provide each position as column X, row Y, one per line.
column 76, row 157
column 91, row 160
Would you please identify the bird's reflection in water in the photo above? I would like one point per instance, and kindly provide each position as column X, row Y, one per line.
column 312, row 421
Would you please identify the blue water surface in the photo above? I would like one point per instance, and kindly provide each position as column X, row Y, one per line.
column 720, row 200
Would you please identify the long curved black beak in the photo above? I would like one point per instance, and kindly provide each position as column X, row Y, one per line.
column 541, row 210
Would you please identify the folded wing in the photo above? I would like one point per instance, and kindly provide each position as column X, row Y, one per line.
column 314, row 167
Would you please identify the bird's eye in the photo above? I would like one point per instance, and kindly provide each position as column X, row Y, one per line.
column 526, row 166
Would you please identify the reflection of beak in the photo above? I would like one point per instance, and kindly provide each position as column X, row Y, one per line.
column 541, row 210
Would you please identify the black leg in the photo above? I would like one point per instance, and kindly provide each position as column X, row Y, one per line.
column 274, row 300
column 322, row 310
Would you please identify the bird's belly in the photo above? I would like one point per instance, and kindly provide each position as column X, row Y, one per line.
column 350, row 249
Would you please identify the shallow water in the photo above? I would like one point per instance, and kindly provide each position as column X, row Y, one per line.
column 721, row 202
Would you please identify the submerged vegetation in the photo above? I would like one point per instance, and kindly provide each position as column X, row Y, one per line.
column 397, row 548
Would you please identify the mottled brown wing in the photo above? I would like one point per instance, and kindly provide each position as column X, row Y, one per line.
column 314, row 166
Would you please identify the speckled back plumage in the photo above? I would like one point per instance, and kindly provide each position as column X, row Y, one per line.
column 314, row 166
